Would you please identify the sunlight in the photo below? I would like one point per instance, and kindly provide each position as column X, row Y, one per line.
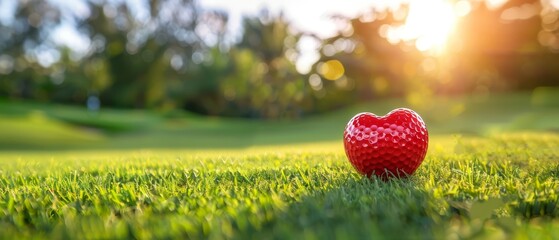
column 428, row 24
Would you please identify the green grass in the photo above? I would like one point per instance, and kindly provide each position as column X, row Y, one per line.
column 501, row 186
column 125, row 129
column 492, row 172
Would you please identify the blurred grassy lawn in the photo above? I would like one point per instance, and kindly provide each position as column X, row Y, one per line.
column 26, row 126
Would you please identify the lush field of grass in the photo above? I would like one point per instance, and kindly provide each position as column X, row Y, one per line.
column 494, row 187
column 492, row 171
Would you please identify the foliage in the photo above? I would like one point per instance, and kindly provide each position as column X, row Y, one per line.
column 131, row 61
column 264, row 82
column 21, row 44
column 485, row 53
column 143, row 57
column 169, row 55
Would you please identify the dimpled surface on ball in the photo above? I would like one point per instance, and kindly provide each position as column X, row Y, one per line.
column 390, row 146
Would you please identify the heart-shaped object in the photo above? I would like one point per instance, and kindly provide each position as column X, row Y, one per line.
column 393, row 145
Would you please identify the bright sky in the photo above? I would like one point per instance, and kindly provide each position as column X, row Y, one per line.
column 305, row 15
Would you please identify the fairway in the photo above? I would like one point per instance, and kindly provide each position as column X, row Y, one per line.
column 493, row 187
column 491, row 172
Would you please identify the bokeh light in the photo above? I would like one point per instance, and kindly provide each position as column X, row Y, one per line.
column 332, row 70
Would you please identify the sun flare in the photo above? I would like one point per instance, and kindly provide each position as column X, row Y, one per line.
column 428, row 25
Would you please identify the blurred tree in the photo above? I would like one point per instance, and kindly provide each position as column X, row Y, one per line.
column 25, row 54
column 509, row 56
column 492, row 49
column 144, row 54
column 263, row 82
column 201, row 93
column 171, row 54
column 372, row 66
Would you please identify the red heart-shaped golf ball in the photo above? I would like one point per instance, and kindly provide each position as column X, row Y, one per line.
column 393, row 145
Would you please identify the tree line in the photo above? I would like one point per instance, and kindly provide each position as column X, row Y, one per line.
column 176, row 56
